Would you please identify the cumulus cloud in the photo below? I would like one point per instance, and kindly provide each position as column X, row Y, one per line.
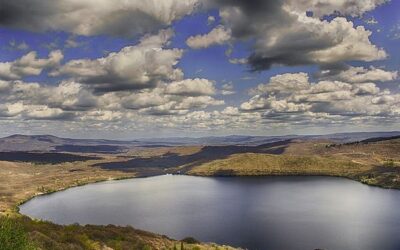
column 322, row 42
column 29, row 65
column 173, row 98
column 217, row 36
column 118, row 18
column 227, row 89
column 68, row 95
column 238, row 60
column 34, row 112
column 71, row 100
column 282, row 31
column 359, row 74
column 293, row 98
column 138, row 81
column 284, row 83
column 321, row 8
column 210, row 20
column 191, row 87
column 178, row 100
column 371, row 21
column 284, row 34
column 180, row 106
column 134, row 67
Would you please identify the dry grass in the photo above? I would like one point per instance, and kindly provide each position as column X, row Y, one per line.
column 373, row 163
column 265, row 164
column 21, row 181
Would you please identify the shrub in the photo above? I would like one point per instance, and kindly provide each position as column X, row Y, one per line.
column 191, row 240
column 13, row 236
column 389, row 163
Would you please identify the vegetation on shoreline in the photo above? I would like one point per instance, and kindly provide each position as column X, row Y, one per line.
column 264, row 165
column 22, row 233
column 13, row 235
column 376, row 163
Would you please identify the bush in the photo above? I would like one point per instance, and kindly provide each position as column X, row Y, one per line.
column 191, row 240
column 13, row 236
column 389, row 163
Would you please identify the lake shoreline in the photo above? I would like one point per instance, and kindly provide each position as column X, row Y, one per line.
column 116, row 175
column 16, row 208
column 188, row 243
column 25, row 181
column 325, row 184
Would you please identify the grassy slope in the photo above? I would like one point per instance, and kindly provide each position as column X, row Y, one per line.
column 266, row 164
column 372, row 163
column 21, row 181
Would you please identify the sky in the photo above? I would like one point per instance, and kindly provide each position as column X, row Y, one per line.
column 126, row 69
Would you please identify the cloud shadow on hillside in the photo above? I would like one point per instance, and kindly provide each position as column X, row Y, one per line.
column 206, row 154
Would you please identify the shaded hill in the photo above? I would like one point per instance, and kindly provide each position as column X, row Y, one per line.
column 43, row 158
column 356, row 136
column 205, row 154
column 374, row 162
column 380, row 139
column 49, row 143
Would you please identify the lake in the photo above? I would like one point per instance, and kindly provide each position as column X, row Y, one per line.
column 248, row 212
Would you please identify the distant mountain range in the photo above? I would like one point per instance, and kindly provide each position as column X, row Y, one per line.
column 49, row 143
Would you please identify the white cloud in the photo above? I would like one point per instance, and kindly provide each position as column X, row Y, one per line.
column 238, row 60
column 371, row 21
column 139, row 80
column 285, row 83
column 227, row 89
column 94, row 17
column 354, row 44
column 71, row 100
column 31, row 111
column 44, row 112
column 144, row 99
column 217, row 36
column 29, row 65
column 191, row 87
column 361, row 74
column 284, row 34
column 322, row 8
column 291, row 98
column 210, row 20
column 322, row 42
column 134, row 67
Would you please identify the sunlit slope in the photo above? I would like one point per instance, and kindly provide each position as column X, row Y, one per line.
column 374, row 163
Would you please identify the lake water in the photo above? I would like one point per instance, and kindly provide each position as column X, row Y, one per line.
column 249, row 212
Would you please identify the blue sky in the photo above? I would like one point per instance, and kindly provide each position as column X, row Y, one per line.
column 293, row 77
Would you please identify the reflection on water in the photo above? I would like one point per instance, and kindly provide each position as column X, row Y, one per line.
column 252, row 212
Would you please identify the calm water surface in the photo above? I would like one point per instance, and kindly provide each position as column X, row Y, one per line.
column 254, row 212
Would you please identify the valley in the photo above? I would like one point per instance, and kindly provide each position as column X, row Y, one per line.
column 370, row 161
